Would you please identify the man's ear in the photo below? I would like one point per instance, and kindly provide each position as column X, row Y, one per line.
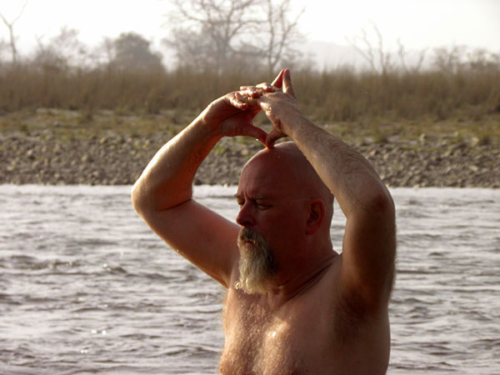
column 316, row 216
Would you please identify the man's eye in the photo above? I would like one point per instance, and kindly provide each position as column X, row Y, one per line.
column 263, row 206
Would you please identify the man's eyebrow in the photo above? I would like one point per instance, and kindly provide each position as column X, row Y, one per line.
column 257, row 197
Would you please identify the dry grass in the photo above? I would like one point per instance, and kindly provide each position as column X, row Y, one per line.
column 462, row 100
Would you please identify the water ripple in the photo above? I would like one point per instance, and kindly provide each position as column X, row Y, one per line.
column 86, row 288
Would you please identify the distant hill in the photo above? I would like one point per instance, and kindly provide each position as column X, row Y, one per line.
column 330, row 55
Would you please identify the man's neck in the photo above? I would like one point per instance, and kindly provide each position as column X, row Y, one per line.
column 292, row 281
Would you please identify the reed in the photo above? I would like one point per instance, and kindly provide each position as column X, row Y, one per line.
column 468, row 91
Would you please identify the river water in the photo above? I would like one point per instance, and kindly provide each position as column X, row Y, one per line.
column 87, row 288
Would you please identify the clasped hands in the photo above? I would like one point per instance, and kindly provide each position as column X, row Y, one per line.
column 233, row 114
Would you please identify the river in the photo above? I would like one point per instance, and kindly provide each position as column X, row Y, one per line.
column 87, row 288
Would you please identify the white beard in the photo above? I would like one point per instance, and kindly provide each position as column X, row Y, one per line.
column 257, row 267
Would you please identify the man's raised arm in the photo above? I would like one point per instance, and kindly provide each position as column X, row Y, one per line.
column 163, row 193
column 370, row 236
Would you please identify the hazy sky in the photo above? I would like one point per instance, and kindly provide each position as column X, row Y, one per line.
column 418, row 23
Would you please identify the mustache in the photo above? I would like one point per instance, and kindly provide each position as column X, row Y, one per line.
column 259, row 250
column 247, row 234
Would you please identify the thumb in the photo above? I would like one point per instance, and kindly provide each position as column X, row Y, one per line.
column 272, row 137
column 287, row 83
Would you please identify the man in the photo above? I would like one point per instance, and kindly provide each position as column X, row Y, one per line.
column 293, row 305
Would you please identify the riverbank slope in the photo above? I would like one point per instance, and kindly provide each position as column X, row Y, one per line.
column 65, row 147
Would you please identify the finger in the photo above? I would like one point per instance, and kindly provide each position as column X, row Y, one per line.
column 252, row 92
column 237, row 101
column 251, row 101
column 278, row 81
column 242, row 98
column 266, row 87
column 287, row 83
column 272, row 137
column 246, row 98
column 250, row 130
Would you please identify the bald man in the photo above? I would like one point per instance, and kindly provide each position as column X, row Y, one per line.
column 293, row 304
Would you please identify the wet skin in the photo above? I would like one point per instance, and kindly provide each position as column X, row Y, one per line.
column 304, row 325
column 311, row 333
column 321, row 312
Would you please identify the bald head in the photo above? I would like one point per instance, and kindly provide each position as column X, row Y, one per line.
column 290, row 168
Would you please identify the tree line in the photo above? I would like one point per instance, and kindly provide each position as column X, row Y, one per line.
column 218, row 43
column 208, row 35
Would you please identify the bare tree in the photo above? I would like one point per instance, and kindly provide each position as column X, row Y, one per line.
column 403, row 54
column 193, row 49
column 220, row 32
column 103, row 54
column 216, row 23
column 480, row 59
column 282, row 32
column 378, row 58
column 369, row 53
column 449, row 60
column 63, row 51
column 10, row 26
column 3, row 47
column 132, row 52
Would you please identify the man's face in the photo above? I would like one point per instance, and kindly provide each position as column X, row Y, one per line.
column 271, row 210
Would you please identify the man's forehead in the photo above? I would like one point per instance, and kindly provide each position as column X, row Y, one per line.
column 259, row 184
column 266, row 180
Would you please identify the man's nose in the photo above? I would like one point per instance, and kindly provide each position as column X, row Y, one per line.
column 245, row 218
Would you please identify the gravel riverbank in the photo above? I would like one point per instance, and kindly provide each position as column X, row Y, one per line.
column 45, row 156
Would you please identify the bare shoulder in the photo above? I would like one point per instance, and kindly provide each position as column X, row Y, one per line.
column 355, row 338
column 351, row 316
column 358, row 334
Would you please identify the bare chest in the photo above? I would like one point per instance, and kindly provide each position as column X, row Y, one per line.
column 260, row 340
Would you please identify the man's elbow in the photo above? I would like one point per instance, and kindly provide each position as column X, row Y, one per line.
column 137, row 198
column 382, row 203
column 377, row 202
column 148, row 200
column 142, row 198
